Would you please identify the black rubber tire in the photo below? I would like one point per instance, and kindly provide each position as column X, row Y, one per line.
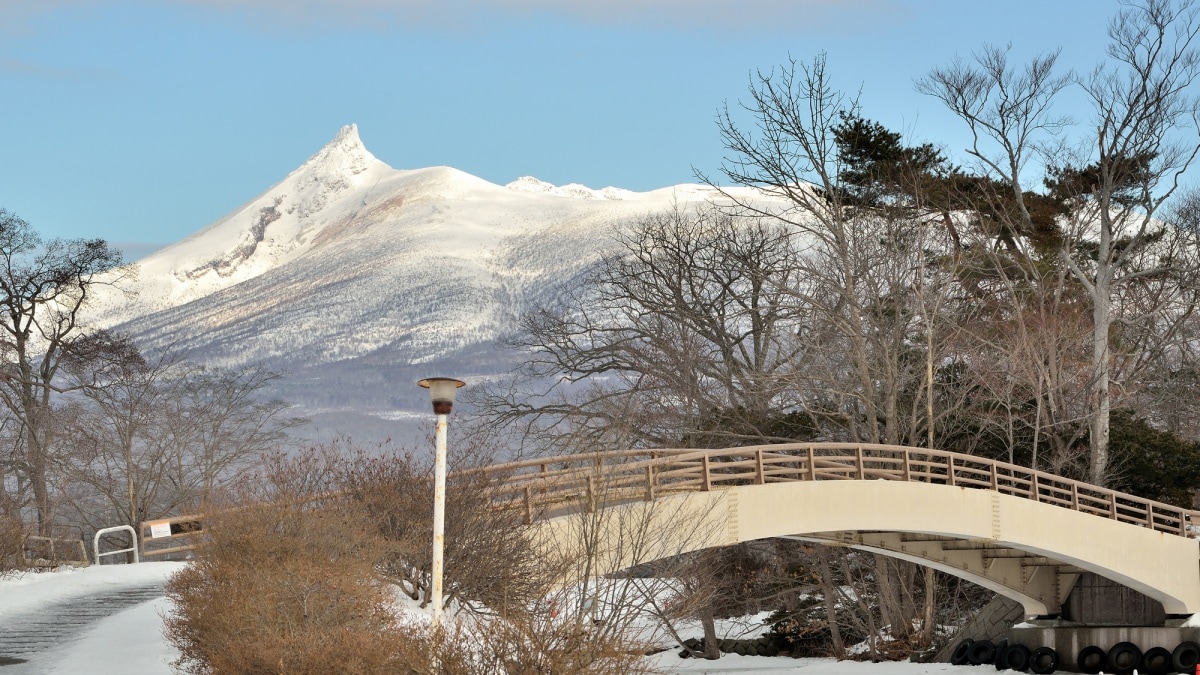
column 1001, row 649
column 1185, row 657
column 1156, row 661
column 1043, row 660
column 959, row 656
column 1123, row 658
column 981, row 652
column 1092, row 660
column 1016, row 657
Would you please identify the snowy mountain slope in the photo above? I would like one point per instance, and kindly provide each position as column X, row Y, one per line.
column 358, row 279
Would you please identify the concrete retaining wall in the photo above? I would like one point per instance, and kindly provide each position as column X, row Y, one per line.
column 992, row 622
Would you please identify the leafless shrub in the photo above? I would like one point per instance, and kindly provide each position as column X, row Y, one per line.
column 12, row 542
column 310, row 547
column 285, row 582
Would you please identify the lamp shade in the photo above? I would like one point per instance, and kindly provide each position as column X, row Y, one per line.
column 442, row 391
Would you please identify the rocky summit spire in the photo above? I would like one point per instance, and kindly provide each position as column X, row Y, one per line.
column 345, row 155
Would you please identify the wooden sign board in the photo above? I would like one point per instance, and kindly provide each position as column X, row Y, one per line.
column 160, row 528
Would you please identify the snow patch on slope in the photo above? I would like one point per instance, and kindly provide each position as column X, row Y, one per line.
column 573, row 190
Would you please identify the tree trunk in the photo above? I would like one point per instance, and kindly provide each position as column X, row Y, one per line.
column 889, row 597
column 712, row 646
column 830, row 592
column 1101, row 398
column 928, row 627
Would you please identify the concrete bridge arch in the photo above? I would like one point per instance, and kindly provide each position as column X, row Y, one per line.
column 1021, row 533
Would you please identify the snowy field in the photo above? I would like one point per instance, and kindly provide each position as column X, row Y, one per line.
column 130, row 642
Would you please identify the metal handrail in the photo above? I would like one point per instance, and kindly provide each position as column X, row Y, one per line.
column 118, row 528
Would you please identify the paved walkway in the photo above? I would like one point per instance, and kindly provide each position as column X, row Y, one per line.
column 27, row 640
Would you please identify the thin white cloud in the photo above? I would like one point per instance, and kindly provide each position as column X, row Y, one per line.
column 17, row 67
column 734, row 14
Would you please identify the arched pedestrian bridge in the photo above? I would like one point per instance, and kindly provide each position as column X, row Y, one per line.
column 1022, row 533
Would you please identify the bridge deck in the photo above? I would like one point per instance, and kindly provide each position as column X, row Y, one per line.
column 537, row 485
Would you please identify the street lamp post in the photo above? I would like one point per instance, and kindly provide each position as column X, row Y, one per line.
column 441, row 391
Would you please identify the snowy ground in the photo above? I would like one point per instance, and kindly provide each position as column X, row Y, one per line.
column 130, row 642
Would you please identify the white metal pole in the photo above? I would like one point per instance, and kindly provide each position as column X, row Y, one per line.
column 439, row 519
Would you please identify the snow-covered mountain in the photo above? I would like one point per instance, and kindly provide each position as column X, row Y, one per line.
column 358, row 279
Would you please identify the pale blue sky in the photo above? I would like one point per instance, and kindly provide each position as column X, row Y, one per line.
column 145, row 121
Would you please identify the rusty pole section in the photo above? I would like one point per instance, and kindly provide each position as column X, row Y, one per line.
column 441, row 393
column 439, row 519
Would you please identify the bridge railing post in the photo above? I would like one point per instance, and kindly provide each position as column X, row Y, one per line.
column 858, row 463
column 650, row 483
column 759, row 474
column 950, row 470
column 812, row 464
column 705, row 482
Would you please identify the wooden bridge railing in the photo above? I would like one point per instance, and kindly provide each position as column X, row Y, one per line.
column 541, row 484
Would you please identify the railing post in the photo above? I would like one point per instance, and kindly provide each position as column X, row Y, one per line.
column 812, row 464
column 528, row 505
column 949, row 469
column 103, row 531
column 759, row 475
column 907, row 471
column 1037, row 490
column 705, row 483
column 650, row 483
column 591, row 494
column 1112, row 505
column 1074, row 495
column 1150, row 515
column 858, row 460
column 995, row 475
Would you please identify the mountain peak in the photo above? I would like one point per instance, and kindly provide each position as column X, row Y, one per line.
column 349, row 133
column 344, row 155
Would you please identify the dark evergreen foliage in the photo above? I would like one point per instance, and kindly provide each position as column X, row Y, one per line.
column 1152, row 463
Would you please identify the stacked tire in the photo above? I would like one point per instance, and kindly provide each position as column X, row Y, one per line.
column 1004, row 656
column 1120, row 659
column 762, row 646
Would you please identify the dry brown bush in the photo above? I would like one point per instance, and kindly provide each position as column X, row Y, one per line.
column 489, row 559
column 12, row 543
column 292, row 576
column 285, row 584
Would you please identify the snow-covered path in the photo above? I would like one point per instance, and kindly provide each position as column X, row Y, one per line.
column 95, row 620
column 129, row 641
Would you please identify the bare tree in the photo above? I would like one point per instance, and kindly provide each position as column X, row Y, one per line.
column 687, row 328
column 864, row 283
column 43, row 287
column 1009, row 113
column 149, row 436
column 1101, row 217
column 1146, row 120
